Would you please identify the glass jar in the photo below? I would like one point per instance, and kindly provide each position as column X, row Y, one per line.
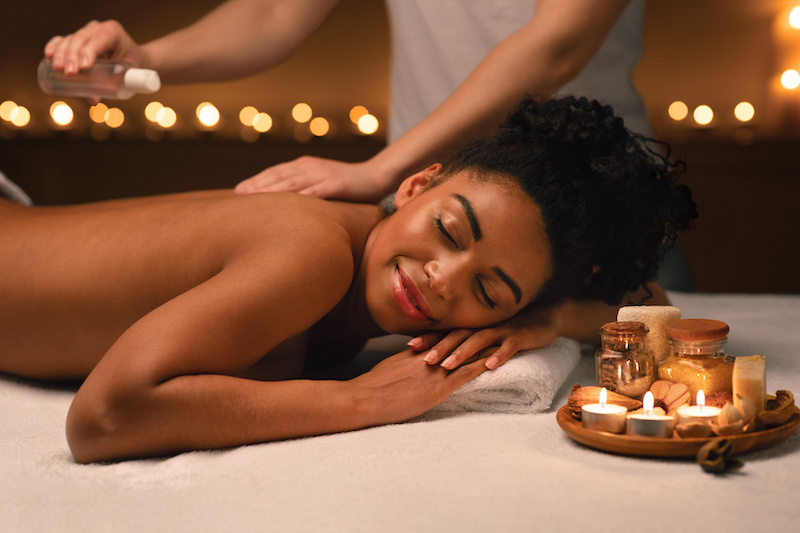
column 697, row 356
column 622, row 363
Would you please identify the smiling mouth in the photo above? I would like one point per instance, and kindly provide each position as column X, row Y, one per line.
column 409, row 299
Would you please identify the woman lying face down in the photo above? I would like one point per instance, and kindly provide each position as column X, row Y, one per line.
column 190, row 317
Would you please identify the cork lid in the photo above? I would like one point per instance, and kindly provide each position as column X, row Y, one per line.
column 696, row 329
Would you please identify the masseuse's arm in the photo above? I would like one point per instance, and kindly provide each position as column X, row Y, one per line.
column 551, row 49
column 239, row 38
column 575, row 320
column 168, row 384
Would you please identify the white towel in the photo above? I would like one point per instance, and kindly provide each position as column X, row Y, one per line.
column 11, row 190
column 527, row 383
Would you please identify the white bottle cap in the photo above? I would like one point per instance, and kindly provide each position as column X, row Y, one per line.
column 142, row 80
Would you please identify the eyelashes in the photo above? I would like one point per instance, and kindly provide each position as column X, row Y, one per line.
column 486, row 300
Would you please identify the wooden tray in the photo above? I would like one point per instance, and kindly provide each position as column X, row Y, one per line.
column 675, row 447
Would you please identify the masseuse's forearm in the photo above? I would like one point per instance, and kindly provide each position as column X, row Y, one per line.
column 208, row 412
column 239, row 38
column 536, row 60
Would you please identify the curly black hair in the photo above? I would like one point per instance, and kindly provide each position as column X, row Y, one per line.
column 609, row 198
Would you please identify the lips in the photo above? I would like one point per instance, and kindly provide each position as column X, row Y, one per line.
column 408, row 298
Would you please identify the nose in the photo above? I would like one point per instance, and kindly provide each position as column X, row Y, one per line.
column 444, row 277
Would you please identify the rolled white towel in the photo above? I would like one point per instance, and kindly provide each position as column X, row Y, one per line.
column 11, row 190
column 527, row 383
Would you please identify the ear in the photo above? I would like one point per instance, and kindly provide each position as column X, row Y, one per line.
column 415, row 184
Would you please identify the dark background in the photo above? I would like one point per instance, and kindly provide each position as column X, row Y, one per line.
column 746, row 179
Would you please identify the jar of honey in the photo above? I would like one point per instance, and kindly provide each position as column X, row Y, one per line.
column 697, row 356
column 622, row 363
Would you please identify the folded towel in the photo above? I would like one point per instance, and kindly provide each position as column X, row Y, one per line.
column 527, row 383
column 11, row 190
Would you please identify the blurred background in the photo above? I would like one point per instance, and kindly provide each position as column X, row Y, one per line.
column 719, row 78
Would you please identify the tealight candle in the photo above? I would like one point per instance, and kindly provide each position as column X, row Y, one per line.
column 648, row 424
column 603, row 416
column 699, row 413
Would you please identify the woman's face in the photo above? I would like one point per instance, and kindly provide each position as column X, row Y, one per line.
column 462, row 254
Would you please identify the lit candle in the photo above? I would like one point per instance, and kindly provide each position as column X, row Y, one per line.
column 700, row 412
column 603, row 416
column 648, row 424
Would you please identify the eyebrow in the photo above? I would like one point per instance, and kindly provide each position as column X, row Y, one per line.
column 510, row 282
column 470, row 212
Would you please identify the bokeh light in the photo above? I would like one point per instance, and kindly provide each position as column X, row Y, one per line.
column 166, row 117
column 368, row 124
column 678, row 110
column 790, row 79
column 20, row 116
column 247, row 115
column 151, row 111
column 6, row 108
column 61, row 113
column 744, row 111
column 207, row 114
column 262, row 122
column 115, row 117
column 794, row 18
column 319, row 127
column 302, row 113
column 703, row 115
column 98, row 113
column 357, row 112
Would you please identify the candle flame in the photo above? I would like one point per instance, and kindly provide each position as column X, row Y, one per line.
column 701, row 398
column 603, row 397
column 648, row 402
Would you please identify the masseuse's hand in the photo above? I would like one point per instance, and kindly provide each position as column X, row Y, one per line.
column 522, row 332
column 79, row 50
column 323, row 178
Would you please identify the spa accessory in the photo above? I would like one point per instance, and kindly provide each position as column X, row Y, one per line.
column 655, row 318
column 622, row 363
column 697, row 356
column 11, row 190
column 527, row 383
column 115, row 80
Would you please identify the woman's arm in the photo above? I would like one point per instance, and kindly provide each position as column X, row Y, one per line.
column 239, row 38
column 551, row 49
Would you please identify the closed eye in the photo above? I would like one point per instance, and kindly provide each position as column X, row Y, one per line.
column 443, row 231
column 486, row 299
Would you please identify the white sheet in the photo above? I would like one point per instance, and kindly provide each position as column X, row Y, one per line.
column 448, row 472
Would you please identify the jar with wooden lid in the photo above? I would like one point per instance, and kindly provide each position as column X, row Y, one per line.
column 697, row 356
column 622, row 363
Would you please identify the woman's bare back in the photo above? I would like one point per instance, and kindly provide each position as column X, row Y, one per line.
column 76, row 278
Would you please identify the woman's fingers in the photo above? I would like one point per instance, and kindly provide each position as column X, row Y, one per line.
column 446, row 346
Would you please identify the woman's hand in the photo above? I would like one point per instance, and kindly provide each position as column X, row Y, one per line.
column 323, row 178
column 403, row 386
column 525, row 331
column 79, row 50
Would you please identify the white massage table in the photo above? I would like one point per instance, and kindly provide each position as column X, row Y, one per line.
column 446, row 472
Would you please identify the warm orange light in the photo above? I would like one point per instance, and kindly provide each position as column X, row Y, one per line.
column 744, row 111
column 678, row 110
column 794, row 18
column 151, row 111
column 6, row 108
column 61, row 113
column 368, row 124
column 20, row 116
column 98, row 113
column 319, row 127
column 703, row 115
column 790, row 79
column 648, row 402
column 166, row 117
column 302, row 113
column 701, row 398
column 207, row 114
column 357, row 112
column 115, row 117
column 262, row 122
column 247, row 115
